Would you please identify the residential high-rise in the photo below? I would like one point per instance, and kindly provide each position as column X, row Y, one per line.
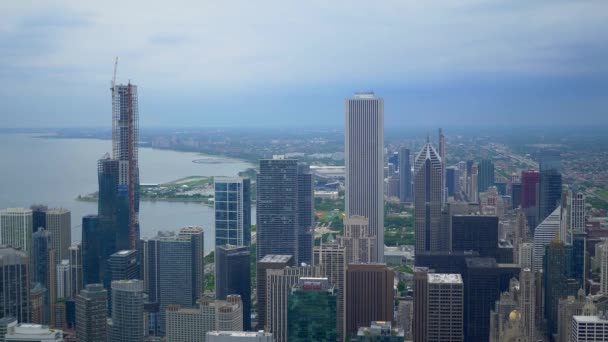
column 405, row 175
column 14, row 284
column 192, row 324
column 16, row 228
column 475, row 233
column 550, row 183
column 125, row 140
column 269, row 262
column 232, row 211
column 278, row 287
column 543, row 234
column 445, row 307
column 306, row 213
column 197, row 236
column 427, row 199
column 332, row 259
column 127, row 324
column 76, row 276
column 360, row 245
column 91, row 314
column 277, row 207
column 369, row 295
column 59, row 224
column 364, row 162
column 485, row 175
column 175, row 276
column 233, row 276
column 311, row 311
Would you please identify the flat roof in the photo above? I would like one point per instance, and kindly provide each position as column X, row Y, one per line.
column 589, row 319
column 444, row 278
column 276, row 258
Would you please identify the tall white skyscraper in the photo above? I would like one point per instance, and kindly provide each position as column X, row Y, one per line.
column 364, row 161
column 543, row 234
column 16, row 228
column 428, row 182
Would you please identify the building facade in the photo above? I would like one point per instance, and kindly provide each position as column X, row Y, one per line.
column 59, row 224
column 232, row 211
column 91, row 314
column 127, row 324
column 14, row 284
column 16, row 228
column 269, row 262
column 233, row 276
column 311, row 311
column 427, row 199
column 445, row 307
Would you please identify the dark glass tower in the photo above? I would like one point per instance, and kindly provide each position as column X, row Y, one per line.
column 232, row 211
column 550, row 183
column 311, row 311
column 277, row 208
column 38, row 216
column 475, row 233
column 233, row 276
column 405, row 175
column 92, row 236
column 306, row 212
column 485, row 175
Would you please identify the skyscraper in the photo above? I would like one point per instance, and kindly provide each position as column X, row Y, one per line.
column 91, row 314
column 481, row 286
column 529, row 183
column 76, row 276
column 122, row 265
column 604, row 268
column 445, row 307
column 451, row 180
column 577, row 211
column 93, row 243
column 38, row 216
column 419, row 327
column 441, row 144
column 269, row 262
column 311, row 311
column 233, row 276
column 475, row 233
column 40, row 256
column 232, row 211
column 277, row 207
column 550, row 183
column 197, row 236
column 485, row 175
column 127, row 324
column 64, row 282
column 14, row 284
column 360, row 246
column 369, row 295
column 427, row 199
column 543, row 234
column 332, row 258
column 405, row 175
column 527, row 302
column 278, row 287
column 59, row 224
column 16, row 228
column 306, row 213
column 364, row 161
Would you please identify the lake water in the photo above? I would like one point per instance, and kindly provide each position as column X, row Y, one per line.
column 55, row 171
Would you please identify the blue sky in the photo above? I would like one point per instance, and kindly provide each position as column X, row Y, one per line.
column 286, row 63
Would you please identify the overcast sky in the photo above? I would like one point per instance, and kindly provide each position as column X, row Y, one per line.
column 287, row 63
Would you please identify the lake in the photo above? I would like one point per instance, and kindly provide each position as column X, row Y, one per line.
column 55, row 171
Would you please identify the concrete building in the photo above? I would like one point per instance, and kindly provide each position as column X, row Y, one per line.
column 445, row 307
column 232, row 211
column 268, row 262
column 278, row 287
column 364, row 160
column 16, row 228
column 332, row 258
column 91, row 314
column 59, row 224
column 127, row 323
column 239, row 336
column 64, row 281
column 192, row 324
column 360, row 245
column 14, row 284
column 589, row 328
column 369, row 295
column 428, row 180
column 25, row 332
column 233, row 276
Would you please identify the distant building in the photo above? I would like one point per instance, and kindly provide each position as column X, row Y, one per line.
column 380, row 332
column 127, row 323
column 16, row 228
column 14, row 284
column 550, row 183
column 91, row 314
column 515, row 195
column 306, row 213
column 59, row 224
column 369, row 295
column 269, row 262
column 428, row 180
column 76, row 276
column 92, row 240
column 232, row 211
column 543, row 234
column 311, row 311
column 64, row 281
column 25, row 332
column 192, row 324
column 451, row 180
column 475, row 233
column 485, row 175
column 364, row 161
column 529, row 185
column 238, row 336
column 405, row 175
column 233, row 276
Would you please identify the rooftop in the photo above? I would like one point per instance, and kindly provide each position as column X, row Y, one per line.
column 364, row 95
column 278, row 258
column 445, row 278
column 589, row 319
column 239, row 333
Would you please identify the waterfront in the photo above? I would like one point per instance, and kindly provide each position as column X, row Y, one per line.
column 55, row 171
